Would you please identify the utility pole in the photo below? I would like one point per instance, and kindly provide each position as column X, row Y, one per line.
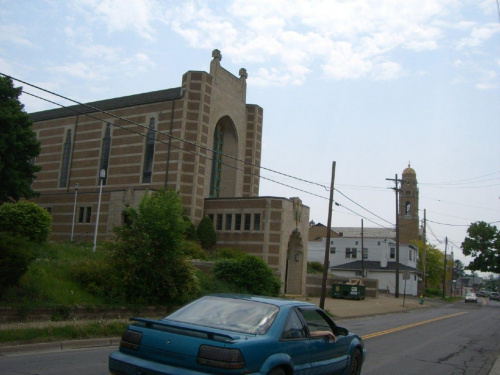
column 452, row 265
column 444, row 271
column 396, row 190
column 424, row 256
column 327, row 246
column 362, row 251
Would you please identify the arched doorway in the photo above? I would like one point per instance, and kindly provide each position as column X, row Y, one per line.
column 294, row 264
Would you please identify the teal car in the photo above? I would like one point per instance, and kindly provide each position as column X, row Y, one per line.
column 237, row 334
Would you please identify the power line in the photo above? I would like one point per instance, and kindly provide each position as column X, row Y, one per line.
column 156, row 131
column 193, row 144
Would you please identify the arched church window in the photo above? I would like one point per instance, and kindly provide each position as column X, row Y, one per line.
column 149, row 152
column 106, row 147
column 63, row 180
column 216, row 162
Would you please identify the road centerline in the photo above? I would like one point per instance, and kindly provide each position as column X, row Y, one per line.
column 396, row 329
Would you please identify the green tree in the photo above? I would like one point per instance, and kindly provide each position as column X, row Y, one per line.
column 149, row 260
column 26, row 219
column 434, row 264
column 18, row 145
column 483, row 244
column 206, row 233
column 458, row 269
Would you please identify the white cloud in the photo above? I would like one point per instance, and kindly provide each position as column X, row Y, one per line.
column 487, row 86
column 345, row 39
column 15, row 34
column 387, row 71
column 478, row 36
column 344, row 63
column 81, row 70
column 119, row 15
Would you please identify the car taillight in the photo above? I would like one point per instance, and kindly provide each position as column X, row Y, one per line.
column 220, row 357
column 131, row 339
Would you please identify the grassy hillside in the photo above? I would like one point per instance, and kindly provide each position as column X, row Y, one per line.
column 50, row 279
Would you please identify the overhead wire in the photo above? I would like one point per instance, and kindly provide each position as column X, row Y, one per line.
column 190, row 143
column 160, row 132
column 161, row 141
column 196, row 145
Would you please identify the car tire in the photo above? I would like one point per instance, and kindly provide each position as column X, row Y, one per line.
column 356, row 362
column 277, row 371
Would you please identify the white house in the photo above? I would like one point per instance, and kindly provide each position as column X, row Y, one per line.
column 378, row 262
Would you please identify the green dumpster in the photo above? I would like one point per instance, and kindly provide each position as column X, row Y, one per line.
column 348, row 291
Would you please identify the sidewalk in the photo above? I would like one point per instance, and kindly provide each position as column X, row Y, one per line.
column 345, row 308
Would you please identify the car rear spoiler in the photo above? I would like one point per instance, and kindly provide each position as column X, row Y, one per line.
column 186, row 329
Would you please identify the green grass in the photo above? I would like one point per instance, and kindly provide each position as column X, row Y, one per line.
column 49, row 280
column 73, row 331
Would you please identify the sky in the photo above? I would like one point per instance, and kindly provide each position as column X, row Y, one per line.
column 372, row 85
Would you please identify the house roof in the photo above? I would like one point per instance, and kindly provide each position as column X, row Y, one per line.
column 355, row 232
column 108, row 104
column 373, row 266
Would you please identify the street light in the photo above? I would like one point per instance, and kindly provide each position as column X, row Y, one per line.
column 74, row 212
column 102, row 176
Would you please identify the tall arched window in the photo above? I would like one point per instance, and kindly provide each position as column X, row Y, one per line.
column 106, row 147
column 63, row 180
column 149, row 153
column 216, row 162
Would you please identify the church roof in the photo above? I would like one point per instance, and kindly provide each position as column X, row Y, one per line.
column 108, row 104
column 372, row 265
column 355, row 232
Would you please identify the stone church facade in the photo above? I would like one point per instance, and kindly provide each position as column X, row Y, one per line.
column 201, row 139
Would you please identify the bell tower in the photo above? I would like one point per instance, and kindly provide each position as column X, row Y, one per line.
column 408, row 207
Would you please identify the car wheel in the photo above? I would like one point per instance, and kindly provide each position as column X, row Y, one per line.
column 277, row 371
column 355, row 365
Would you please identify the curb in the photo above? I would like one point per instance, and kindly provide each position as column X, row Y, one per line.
column 58, row 346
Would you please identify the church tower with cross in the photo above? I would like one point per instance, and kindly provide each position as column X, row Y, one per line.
column 408, row 207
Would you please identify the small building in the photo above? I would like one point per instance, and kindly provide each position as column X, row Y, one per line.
column 376, row 261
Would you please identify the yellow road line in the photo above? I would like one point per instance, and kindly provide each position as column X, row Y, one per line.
column 371, row 335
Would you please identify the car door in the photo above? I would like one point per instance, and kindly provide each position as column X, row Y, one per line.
column 327, row 356
column 295, row 342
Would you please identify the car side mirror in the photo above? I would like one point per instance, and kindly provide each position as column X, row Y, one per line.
column 342, row 331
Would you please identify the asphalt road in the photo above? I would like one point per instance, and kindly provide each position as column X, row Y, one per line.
column 452, row 339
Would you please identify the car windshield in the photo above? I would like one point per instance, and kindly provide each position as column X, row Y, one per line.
column 231, row 314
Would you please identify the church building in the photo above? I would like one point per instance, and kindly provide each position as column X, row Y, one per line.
column 201, row 139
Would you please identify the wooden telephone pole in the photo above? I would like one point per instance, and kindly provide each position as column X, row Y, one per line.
column 326, row 262
column 396, row 190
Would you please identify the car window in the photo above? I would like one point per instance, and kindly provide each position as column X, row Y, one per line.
column 315, row 321
column 232, row 314
column 294, row 329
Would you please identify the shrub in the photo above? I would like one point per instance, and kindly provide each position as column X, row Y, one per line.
column 206, row 233
column 190, row 232
column 433, row 292
column 16, row 253
column 26, row 219
column 228, row 253
column 193, row 250
column 250, row 274
column 315, row 267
